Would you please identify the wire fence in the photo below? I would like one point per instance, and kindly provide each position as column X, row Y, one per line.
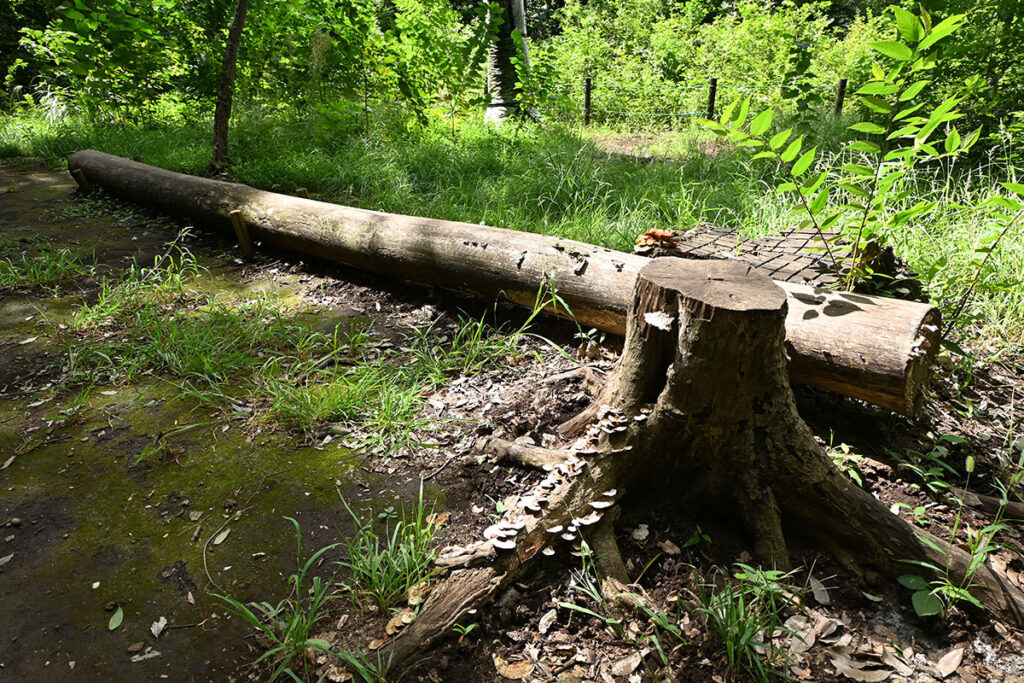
column 584, row 97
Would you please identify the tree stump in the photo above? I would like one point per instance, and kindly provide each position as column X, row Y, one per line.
column 701, row 403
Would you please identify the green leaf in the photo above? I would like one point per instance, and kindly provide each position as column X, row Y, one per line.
column 952, row 142
column 779, row 139
column 819, row 202
column 903, row 113
column 876, row 104
column 859, row 169
column 761, row 122
column 804, row 162
column 855, row 189
column 116, row 619
column 813, row 182
column 909, row 26
column 914, row 582
column 868, row 127
column 794, row 148
column 941, row 30
column 926, row 604
column 726, row 117
column 1016, row 188
column 878, row 88
column 741, row 114
column 764, row 155
column 786, row 187
column 894, row 49
column 865, row 146
column 913, row 90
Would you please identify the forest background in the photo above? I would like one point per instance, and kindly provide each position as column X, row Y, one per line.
column 380, row 104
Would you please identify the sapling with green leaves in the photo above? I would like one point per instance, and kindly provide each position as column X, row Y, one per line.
column 869, row 196
column 941, row 594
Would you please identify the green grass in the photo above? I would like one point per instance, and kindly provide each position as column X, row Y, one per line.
column 747, row 615
column 552, row 180
column 386, row 562
column 48, row 269
column 252, row 351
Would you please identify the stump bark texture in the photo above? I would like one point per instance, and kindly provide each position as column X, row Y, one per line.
column 701, row 404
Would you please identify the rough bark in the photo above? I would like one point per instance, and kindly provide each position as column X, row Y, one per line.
column 226, row 88
column 878, row 350
column 701, row 404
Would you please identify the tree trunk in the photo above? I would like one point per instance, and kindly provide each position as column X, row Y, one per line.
column 226, row 88
column 501, row 72
column 875, row 349
column 702, row 405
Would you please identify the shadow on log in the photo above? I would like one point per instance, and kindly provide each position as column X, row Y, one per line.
column 702, row 402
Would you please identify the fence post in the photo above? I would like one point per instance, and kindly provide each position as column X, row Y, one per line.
column 840, row 95
column 587, row 87
column 712, row 91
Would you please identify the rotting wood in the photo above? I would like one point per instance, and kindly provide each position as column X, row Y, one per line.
column 878, row 350
column 701, row 405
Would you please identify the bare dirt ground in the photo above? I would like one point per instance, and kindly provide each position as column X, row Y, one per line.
column 85, row 531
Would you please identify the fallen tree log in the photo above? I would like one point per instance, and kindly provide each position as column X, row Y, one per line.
column 878, row 350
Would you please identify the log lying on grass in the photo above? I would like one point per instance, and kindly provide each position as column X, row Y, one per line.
column 878, row 350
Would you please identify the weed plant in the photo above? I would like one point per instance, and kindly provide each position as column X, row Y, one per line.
column 47, row 269
column 747, row 615
column 289, row 625
column 385, row 563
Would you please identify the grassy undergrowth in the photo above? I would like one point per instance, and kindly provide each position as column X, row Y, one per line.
column 554, row 180
column 48, row 269
column 254, row 355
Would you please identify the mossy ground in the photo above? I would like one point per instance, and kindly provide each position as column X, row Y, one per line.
column 115, row 494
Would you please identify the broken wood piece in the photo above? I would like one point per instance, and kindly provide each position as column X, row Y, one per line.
column 241, row 233
column 523, row 454
column 875, row 349
column 83, row 182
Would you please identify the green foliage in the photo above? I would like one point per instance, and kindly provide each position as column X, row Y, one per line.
column 111, row 57
column 48, row 269
column 932, row 468
column 386, row 563
column 870, row 197
column 746, row 615
column 943, row 593
column 290, row 624
column 847, row 461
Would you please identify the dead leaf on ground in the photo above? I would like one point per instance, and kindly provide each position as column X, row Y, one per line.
column 949, row 662
column 669, row 548
column 544, row 625
column 819, row 592
column 899, row 665
column 158, row 626
column 515, row 671
column 626, row 665
column 803, row 633
column 854, row 670
column 221, row 536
